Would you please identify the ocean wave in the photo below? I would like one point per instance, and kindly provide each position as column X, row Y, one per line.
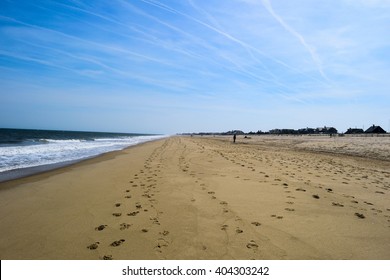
column 53, row 151
column 59, row 141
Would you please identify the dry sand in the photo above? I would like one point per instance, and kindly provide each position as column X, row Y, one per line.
column 206, row 198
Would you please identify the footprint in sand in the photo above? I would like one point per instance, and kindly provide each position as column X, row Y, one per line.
column 300, row 190
column 289, row 209
column 257, row 224
column 100, row 228
column 117, row 243
column 93, row 246
column 144, row 230
column 132, row 213
column 278, row 217
column 360, row 216
column 238, row 230
column 160, row 244
column 224, row 227
column 107, row 257
column 117, row 204
column 117, row 214
column 252, row 245
column 337, row 204
column 155, row 221
column 124, row 226
column 316, row 196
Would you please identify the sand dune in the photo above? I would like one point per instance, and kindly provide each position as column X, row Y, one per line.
column 204, row 198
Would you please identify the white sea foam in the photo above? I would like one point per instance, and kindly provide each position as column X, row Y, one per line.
column 50, row 151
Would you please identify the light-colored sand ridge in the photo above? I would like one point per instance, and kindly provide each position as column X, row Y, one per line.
column 202, row 198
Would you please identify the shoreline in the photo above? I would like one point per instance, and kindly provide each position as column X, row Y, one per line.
column 201, row 198
column 26, row 172
column 20, row 173
column 55, row 169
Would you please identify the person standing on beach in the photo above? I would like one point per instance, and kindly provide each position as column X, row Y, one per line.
column 234, row 138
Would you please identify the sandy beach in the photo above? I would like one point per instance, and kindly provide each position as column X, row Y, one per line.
column 207, row 198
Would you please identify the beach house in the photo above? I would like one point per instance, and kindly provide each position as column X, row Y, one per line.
column 375, row 129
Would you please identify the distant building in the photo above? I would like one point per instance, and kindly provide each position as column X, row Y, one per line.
column 326, row 130
column 354, row 131
column 237, row 132
column 285, row 131
column 320, row 130
column 258, row 132
column 375, row 129
column 306, row 130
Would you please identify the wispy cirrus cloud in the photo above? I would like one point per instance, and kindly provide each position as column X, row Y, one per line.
column 291, row 30
column 242, row 59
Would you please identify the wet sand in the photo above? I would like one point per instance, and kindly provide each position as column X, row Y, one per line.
column 207, row 198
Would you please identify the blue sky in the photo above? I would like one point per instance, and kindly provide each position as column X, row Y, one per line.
column 194, row 65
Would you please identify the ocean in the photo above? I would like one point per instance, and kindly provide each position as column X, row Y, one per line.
column 24, row 151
